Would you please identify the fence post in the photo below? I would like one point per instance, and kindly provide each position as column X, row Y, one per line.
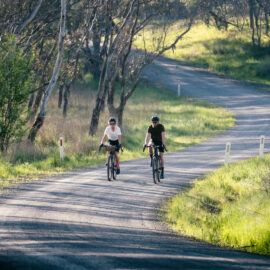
column 227, row 153
column 179, row 88
column 262, row 139
column 61, row 148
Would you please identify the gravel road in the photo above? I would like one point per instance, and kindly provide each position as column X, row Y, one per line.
column 81, row 221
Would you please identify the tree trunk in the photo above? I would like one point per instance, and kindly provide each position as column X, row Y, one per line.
column 258, row 26
column 120, row 113
column 110, row 100
column 99, row 100
column 95, row 116
column 251, row 19
column 36, row 105
column 31, row 100
column 43, row 110
column 96, row 52
column 267, row 23
column 35, row 128
column 42, row 89
column 66, row 97
column 60, row 94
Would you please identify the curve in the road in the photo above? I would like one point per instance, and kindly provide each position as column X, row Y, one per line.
column 82, row 221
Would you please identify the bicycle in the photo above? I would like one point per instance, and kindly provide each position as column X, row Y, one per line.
column 111, row 162
column 156, row 168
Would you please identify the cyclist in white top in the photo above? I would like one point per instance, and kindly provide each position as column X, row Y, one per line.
column 113, row 133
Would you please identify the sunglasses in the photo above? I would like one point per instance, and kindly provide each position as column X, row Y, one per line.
column 154, row 122
column 112, row 123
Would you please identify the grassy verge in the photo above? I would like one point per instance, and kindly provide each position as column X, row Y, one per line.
column 187, row 121
column 225, row 52
column 228, row 207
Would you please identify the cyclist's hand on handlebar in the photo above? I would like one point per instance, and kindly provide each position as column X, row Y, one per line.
column 100, row 146
column 120, row 147
column 144, row 146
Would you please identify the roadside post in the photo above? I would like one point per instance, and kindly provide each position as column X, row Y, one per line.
column 179, row 88
column 61, row 149
column 262, row 139
column 227, row 153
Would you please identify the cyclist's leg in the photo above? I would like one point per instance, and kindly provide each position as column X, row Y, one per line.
column 117, row 159
column 161, row 159
column 117, row 163
column 150, row 150
column 108, row 153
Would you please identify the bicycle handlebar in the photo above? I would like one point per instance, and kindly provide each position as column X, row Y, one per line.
column 104, row 145
column 155, row 146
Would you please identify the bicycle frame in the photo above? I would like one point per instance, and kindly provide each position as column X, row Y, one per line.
column 156, row 169
column 111, row 162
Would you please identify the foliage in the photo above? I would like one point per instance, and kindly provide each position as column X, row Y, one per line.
column 228, row 207
column 15, row 79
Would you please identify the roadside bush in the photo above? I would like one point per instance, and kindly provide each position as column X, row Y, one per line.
column 263, row 70
column 15, row 79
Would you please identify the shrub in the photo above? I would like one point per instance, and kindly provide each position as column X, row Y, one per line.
column 15, row 79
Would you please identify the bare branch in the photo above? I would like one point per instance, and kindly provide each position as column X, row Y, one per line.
column 29, row 19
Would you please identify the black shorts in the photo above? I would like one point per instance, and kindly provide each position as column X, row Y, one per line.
column 161, row 147
column 115, row 143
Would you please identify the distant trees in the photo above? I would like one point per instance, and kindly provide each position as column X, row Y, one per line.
column 239, row 13
column 259, row 12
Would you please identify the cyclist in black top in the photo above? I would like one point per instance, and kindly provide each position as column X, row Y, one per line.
column 157, row 134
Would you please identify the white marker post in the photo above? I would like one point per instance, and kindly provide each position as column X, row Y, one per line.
column 179, row 88
column 262, row 139
column 61, row 149
column 227, row 153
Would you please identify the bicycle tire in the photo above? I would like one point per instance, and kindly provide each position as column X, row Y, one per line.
column 158, row 169
column 109, row 163
column 113, row 167
column 154, row 169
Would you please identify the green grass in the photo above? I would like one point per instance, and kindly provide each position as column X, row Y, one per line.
column 226, row 52
column 187, row 121
column 228, row 207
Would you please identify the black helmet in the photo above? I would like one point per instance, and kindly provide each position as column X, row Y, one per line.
column 155, row 119
column 111, row 119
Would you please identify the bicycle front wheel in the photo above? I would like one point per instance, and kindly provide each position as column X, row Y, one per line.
column 154, row 169
column 109, row 170
column 158, row 169
column 113, row 167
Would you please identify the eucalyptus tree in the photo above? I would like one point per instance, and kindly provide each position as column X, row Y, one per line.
column 80, row 24
column 43, row 110
column 122, row 61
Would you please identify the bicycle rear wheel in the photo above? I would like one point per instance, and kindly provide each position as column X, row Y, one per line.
column 109, row 166
column 154, row 169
